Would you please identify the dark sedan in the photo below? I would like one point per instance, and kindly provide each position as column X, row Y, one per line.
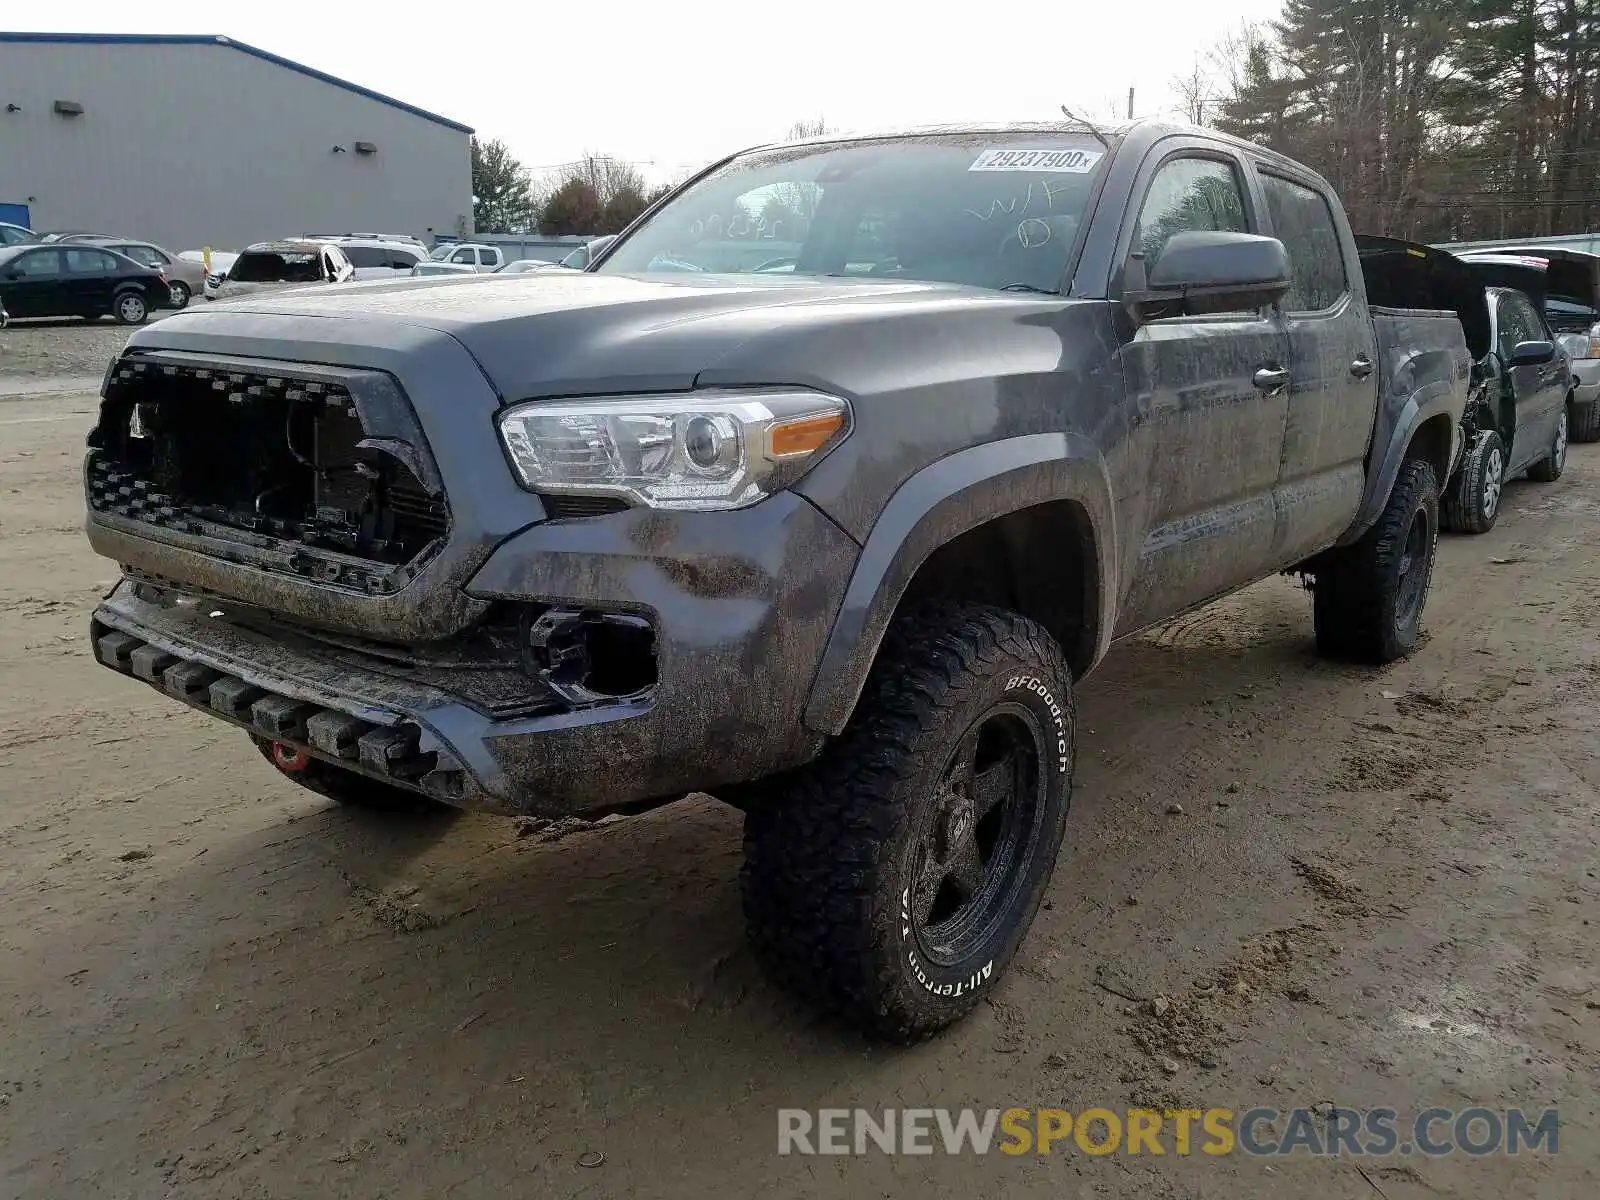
column 79, row 281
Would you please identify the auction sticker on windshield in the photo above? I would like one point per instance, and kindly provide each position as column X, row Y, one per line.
column 1066, row 162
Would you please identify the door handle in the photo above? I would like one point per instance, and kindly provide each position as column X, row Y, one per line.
column 1271, row 380
column 1362, row 367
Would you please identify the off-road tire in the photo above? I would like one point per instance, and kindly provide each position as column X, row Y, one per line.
column 351, row 788
column 831, row 855
column 1360, row 607
column 1585, row 422
column 1472, row 502
column 1549, row 468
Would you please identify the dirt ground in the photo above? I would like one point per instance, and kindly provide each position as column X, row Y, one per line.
column 213, row 984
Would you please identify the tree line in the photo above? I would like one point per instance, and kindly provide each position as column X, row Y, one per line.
column 1436, row 120
column 597, row 194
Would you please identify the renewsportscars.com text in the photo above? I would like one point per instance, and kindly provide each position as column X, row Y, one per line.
column 1259, row 1132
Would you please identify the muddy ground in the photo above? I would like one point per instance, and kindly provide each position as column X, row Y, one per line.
column 214, row 985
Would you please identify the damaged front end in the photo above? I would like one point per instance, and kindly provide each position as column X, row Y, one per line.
column 313, row 475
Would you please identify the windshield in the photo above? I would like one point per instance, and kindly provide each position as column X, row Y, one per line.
column 443, row 251
column 988, row 210
column 274, row 267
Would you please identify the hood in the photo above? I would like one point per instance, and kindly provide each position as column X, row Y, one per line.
column 548, row 333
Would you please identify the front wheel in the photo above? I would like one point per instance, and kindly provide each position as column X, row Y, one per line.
column 1549, row 468
column 892, row 880
column 178, row 293
column 1368, row 597
column 130, row 308
column 1473, row 501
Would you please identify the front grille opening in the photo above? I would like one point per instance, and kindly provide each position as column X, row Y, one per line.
column 271, row 455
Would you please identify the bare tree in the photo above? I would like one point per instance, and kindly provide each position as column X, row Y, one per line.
column 801, row 130
column 1196, row 90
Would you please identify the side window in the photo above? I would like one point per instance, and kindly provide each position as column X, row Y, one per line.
column 1518, row 323
column 1189, row 194
column 491, row 258
column 402, row 260
column 1303, row 222
column 367, row 256
column 463, row 256
column 89, row 262
column 39, row 264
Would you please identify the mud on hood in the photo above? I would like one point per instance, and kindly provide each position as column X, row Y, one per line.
column 550, row 333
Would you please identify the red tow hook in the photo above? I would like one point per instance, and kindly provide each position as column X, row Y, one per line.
column 289, row 758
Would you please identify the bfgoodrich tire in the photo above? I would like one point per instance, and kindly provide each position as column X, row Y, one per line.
column 347, row 787
column 1473, row 501
column 891, row 881
column 1368, row 597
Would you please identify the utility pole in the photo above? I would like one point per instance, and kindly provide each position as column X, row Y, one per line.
column 1130, row 104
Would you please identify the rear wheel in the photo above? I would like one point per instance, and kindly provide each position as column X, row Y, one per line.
column 1549, row 468
column 347, row 787
column 1368, row 597
column 1473, row 501
column 892, row 880
column 130, row 308
column 179, row 292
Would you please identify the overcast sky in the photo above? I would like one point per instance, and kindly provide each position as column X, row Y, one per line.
column 671, row 86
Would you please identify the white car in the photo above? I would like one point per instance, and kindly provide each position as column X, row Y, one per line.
column 276, row 266
column 474, row 255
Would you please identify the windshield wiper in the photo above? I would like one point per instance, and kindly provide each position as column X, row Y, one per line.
column 1028, row 287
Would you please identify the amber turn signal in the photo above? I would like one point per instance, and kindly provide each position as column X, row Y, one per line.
column 803, row 435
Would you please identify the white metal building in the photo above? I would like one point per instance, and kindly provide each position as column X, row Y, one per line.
column 204, row 141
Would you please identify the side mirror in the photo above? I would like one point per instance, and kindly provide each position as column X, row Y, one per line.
column 1532, row 354
column 1211, row 269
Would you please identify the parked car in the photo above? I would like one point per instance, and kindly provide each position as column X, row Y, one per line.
column 1565, row 286
column 469, row 254
column 78, row 281
column 443, row 268
column 588, row 252
column 184, row 278
column 63, row 235
column 275, row 266
column 1514, row 422
column 836, row 548
column 522, row 266
column 11, row 234
column 375, row 257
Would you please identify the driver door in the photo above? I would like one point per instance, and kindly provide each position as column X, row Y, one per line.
column 33, row 285
column 1209, row 400
column 1538, row 392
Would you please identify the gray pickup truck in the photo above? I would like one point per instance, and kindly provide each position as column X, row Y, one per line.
column 832, row 537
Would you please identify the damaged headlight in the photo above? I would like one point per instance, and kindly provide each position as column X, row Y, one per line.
column 704, row 450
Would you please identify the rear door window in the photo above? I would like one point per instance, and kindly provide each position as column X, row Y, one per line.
column 367, row 256
column 1303, row 222
column 89, row 262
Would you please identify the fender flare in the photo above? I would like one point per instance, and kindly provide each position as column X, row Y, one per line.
column 1439, row 398
column 956, row 494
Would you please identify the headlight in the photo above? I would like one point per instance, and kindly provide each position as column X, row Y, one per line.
column 697, row 450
